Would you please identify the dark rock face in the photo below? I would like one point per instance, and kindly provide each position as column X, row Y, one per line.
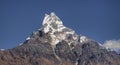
column 35, row 52
column 73, row 50
column 64, row 52
column 93, row 55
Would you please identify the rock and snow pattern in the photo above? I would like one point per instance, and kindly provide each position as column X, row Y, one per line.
column 83, row 39
column 56, row 44
column 58, row 32
column 52, row 23
column 112, row 45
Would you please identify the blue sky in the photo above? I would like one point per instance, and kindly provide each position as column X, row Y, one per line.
column 97, row 19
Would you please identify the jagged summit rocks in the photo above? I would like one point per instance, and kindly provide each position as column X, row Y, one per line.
column 56, row 44
column 58, row 32
column 52, row 23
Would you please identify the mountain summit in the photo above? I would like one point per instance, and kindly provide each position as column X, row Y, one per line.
column 57, row 31
column 52, row 23
column 56, row 44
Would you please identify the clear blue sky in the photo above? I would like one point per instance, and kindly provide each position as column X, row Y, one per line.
column 97, row 19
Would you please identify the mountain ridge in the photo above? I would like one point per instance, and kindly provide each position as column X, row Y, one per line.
column 56, row 44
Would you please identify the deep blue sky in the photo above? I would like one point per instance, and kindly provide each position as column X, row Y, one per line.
column 97, row 19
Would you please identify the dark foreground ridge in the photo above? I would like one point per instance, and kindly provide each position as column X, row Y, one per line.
column 55, row 44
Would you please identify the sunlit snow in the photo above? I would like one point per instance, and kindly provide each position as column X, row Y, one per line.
column 2, row 49
column 54, row 26
column 83, row 39
column 27, row 38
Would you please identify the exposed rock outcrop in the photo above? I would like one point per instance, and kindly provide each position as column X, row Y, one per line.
column 55, row 44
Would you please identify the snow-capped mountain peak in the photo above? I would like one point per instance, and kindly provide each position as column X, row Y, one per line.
column 54, row 26
column 52, row 23
column 56, row 44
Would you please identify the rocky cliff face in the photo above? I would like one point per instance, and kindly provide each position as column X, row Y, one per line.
column 55, row 44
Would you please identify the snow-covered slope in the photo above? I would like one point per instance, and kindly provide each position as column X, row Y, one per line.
column 58, row 32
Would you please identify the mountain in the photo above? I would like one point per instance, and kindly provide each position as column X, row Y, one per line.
column 56, row 44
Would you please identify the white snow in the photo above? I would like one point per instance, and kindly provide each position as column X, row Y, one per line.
column 46, row 29
column 2, row 49
column 55, row 40
column 113, row 49
column 116, row 50
column 58, row 32
column 20, row 44
column 112, row 45
column 71, row 32
column 61, row 27
column 61, row 36
column 83, row 39
column 100, row 44
column 49, row 21
column 45, row 20
column 27, row 38
column 69, row 43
